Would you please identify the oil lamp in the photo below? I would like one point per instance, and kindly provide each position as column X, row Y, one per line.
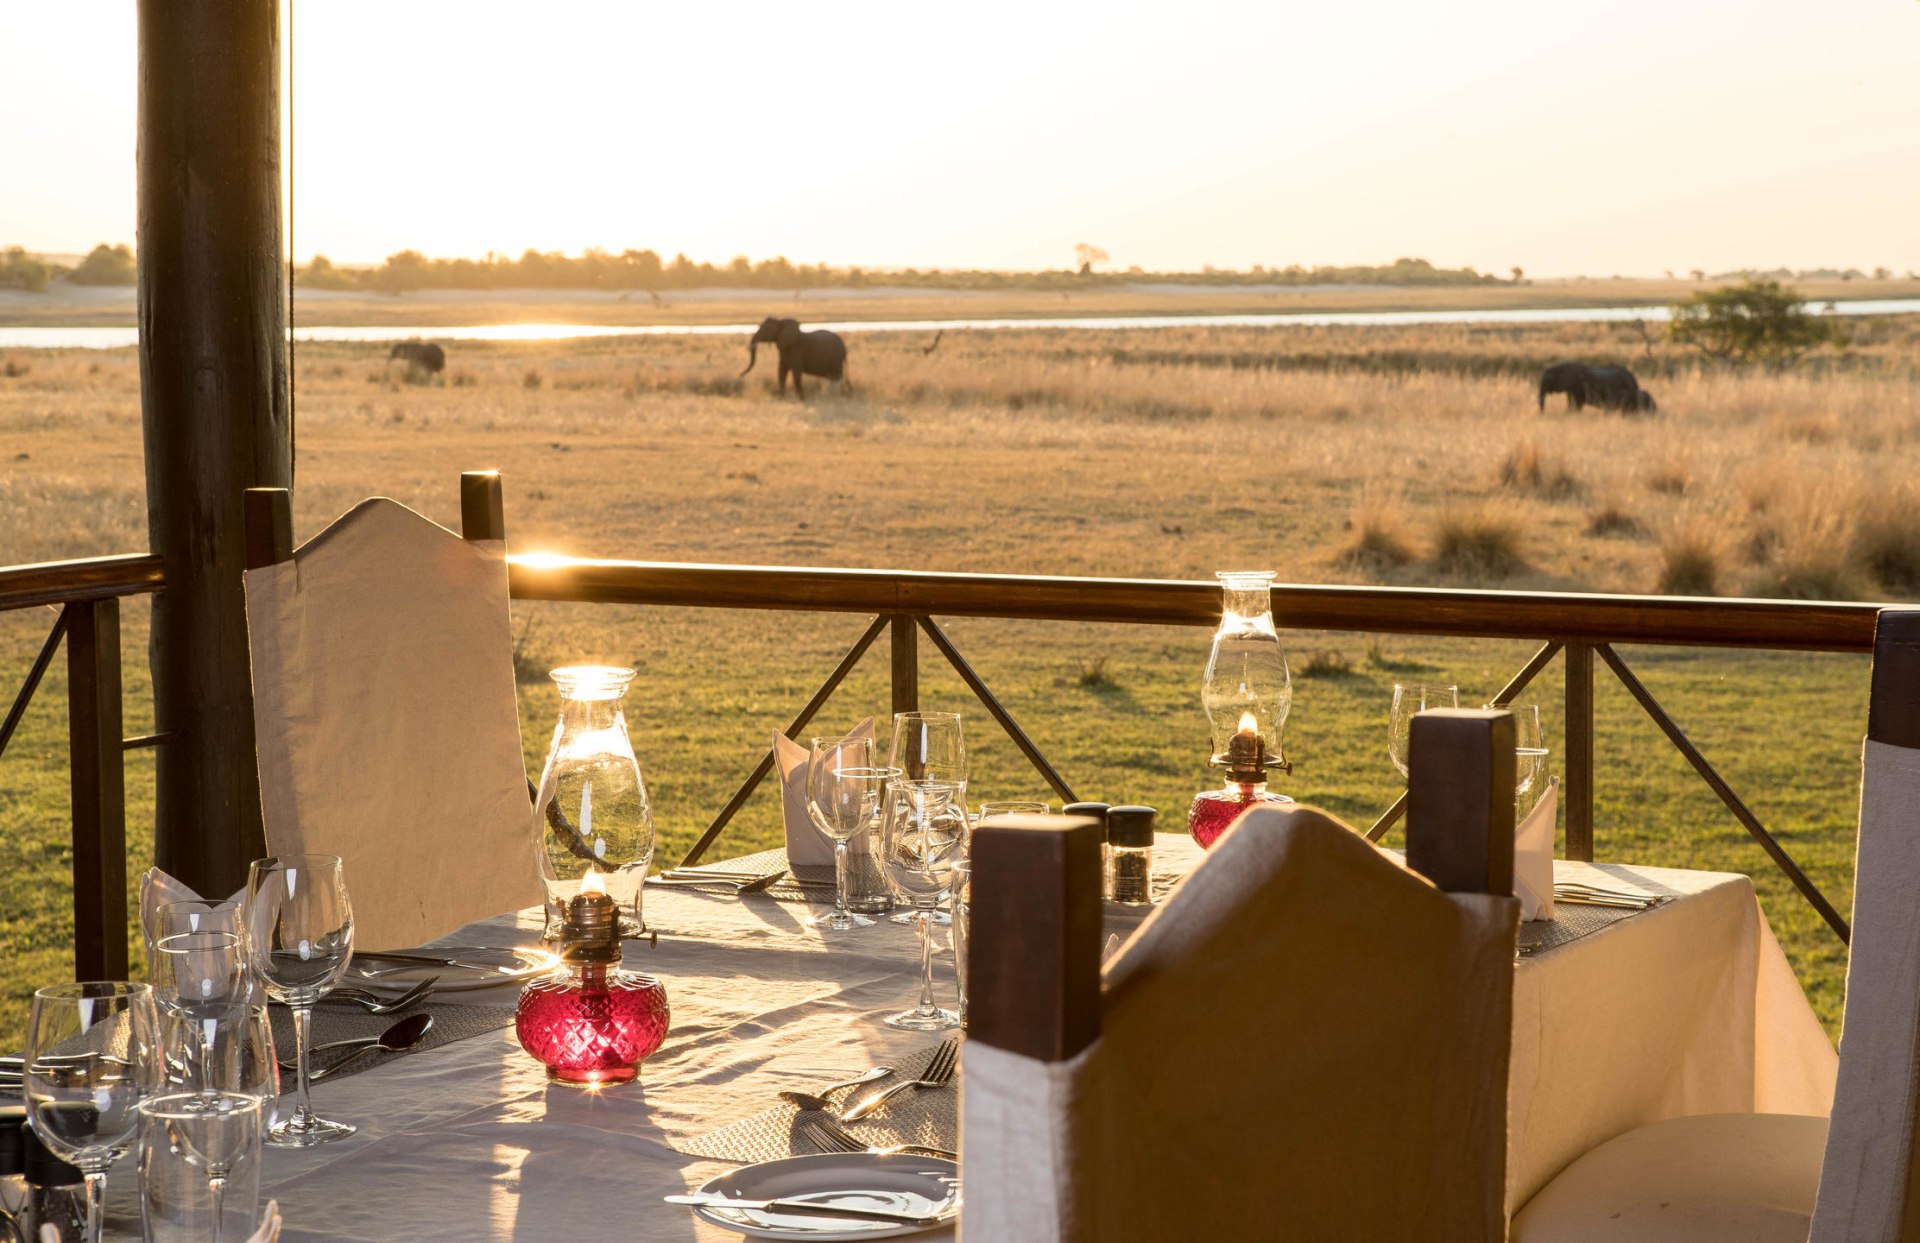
column 589, row 1022
column 1247, row 694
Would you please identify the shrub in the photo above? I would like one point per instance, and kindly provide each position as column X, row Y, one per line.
column 1093, row 674
column 1754, row 321
column 1543, row 474
column 1482, row 542
column 1376, row 534
column 1326, row 664
column 531, row 379
column 1691, row 552
column 105, row 265
column 20, row 270
column 1610, row 521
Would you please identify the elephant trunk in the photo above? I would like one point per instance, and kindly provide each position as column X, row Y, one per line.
column 753, row 353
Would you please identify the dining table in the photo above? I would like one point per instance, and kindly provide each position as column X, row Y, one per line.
column 1621, row 1017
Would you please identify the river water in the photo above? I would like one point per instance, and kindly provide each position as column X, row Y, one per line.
column 118, row 338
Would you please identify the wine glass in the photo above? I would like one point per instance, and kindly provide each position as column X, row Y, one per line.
column 1013, row 807
column 929, row 746
column 843, row 800
column 1409, row 700
column 923, row 835
column 210, row 1132
column 299, row 941
column 195, row 975
column 1529, row 753
column 223, row 1049
column 92, row 1056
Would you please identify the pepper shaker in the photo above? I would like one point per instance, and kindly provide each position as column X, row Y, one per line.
column 1130, row 855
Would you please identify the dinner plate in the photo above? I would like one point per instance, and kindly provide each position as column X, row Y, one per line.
column 478, row 969
column 889, row 1182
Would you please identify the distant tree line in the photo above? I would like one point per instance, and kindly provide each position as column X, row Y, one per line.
column 104, row 265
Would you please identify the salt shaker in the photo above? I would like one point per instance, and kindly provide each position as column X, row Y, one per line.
column 1130, row 855
column 1094, row 811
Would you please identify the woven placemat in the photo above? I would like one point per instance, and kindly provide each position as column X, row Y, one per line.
column 928, row 1116
column 344, row 1022
column 814, row 882
column 1570, row 922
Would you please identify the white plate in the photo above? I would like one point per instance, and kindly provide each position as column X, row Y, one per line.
column 488, row 969
column 896, row 1183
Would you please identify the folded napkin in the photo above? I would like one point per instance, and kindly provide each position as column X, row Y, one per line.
column 157, row 889
column 1533, row 856
column 807, row 845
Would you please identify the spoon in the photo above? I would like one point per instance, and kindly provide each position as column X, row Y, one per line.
column 398, row 1038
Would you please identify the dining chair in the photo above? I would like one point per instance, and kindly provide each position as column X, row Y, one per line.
column 1307, row 1040
column 384, row 702
column 1786, row 1178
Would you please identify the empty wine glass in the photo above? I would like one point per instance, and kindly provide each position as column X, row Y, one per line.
column 929, row 746
column 213, row 1135
column 844, row 789
column 92, row 1056
column 1409, row 700
column 923, row 836
column 224, row 1049
column 299, row 941
column 1529, row 754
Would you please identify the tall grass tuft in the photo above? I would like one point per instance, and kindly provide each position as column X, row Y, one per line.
column 1377, row 539
column 1810, row 555
column 1528, row 468
column 1479, row 542
column 1693, row 552
column 1612, row 520
column 1886, row 542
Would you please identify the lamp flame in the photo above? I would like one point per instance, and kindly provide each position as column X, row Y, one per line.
column 592, row 883
column 1249, row 724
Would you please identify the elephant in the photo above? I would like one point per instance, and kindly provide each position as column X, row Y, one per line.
column 423, row 356
column 1610, row 388
column 818, row 353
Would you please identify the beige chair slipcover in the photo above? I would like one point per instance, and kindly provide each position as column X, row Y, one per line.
column 1306, row 1042
column 387, row 723
column 1753, row 1177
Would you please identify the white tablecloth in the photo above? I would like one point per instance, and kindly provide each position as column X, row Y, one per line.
column 1689, row 1008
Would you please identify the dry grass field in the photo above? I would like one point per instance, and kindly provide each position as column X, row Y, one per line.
column 1385, row 455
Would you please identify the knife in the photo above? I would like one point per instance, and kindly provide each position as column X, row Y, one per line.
column 806, row 1208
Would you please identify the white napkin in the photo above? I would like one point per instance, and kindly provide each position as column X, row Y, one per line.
column 806, row 845
column 157, row 889
column 1533, row 856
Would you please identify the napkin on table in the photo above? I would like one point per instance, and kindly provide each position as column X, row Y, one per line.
column 157, row 889
column 807, row 846
column 1533, row 856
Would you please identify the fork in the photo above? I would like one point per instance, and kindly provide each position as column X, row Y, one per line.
column 373, row 1003
column 738, row 886
column 829, row 1138
column 938, row 1074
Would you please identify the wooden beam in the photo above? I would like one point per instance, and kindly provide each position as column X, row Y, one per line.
column 905, row 664
column 99, row 791
column 1893, row 711
column 1460, row 799
column 483, row 505
column 268, row 515
column 213, row 385
column 1577, row 795
column 1033, row 944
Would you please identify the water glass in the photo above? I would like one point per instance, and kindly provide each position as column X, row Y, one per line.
column 230, row 1049
column 929, row 746
column 844, row 788
column 199, row 1166
column 1013, row 807
column 1409, row 700
column 923, row 838
column 299, row 942
column 92, row 1056
column 1530, row 756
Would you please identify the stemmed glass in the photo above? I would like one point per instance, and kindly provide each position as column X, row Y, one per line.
column 196, row 976
column 92, row 1056
column 224, row 1049
column 211, row 1132
column 929, row 746
column 1012, row 807
column 923, row 836
column 1409, row 700
column 299, row 941
column 1529, row 753
column 844, row 789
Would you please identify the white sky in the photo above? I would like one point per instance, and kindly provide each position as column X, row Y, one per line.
column 1592, row 136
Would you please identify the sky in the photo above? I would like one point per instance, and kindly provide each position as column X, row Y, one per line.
column 1575, row 137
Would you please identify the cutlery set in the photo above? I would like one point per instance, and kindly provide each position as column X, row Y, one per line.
column 1592, row 895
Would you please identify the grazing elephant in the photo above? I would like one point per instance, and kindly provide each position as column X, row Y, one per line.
column 819, row 353
column 1610, row 388
column 420, row 356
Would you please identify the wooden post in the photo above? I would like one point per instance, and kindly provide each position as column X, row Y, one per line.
column 906, row 664
column 1033, row 945
column 213, row 384
column 1578, row 787
column 1460, row 799
column 483, row 506
column 99, row 790
column 1893, row 711
column 268, row 515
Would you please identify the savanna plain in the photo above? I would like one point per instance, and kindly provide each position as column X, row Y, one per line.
column 1392, row 455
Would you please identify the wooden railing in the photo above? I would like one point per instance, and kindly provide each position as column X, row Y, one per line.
column 905, row 605
column 87, row 595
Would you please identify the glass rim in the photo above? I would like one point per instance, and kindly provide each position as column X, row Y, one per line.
column 268, row 863
column 160, row 1106
column 927, row 783
column 214, row 934
column 917, row 715
column 864, row 772
column 1248, row 578
column 600, row 681
column 94, row 990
